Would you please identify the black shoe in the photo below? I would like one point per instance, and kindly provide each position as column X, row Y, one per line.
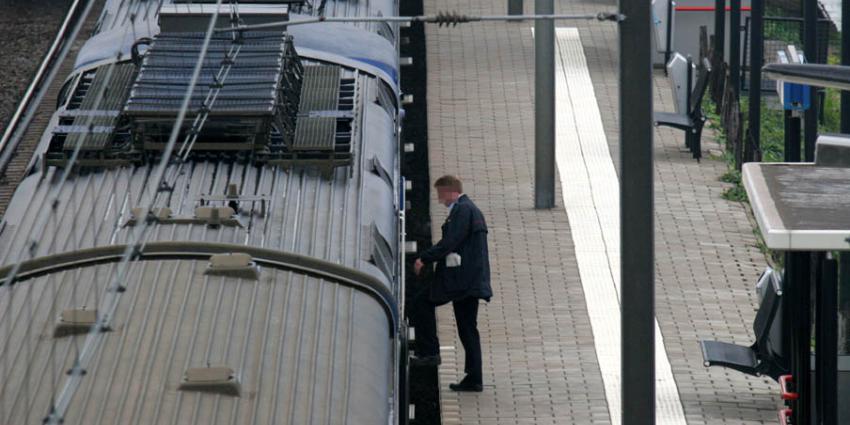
column 464, row 386
column 433, row 360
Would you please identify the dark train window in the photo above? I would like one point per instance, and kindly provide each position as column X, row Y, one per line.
column 63, row 93
column 386, row 99
column 380, row 171
column 382, row 253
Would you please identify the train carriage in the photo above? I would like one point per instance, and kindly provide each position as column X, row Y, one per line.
column 264, row 283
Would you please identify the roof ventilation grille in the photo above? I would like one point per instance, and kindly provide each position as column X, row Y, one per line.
column 91, row 122
column 323, row 134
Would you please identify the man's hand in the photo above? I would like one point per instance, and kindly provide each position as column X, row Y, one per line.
column 417, row 266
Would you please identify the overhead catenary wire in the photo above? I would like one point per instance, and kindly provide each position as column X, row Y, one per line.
column 441, row 19
column 110, row 303
column 44, row 217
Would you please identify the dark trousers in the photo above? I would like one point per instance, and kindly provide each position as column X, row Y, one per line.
column 425, row 322
column 466, row 314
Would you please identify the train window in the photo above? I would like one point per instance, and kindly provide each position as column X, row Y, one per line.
column 63, row 93
column 384, row 30
column 380, row 171
column 386, row 99
column 382, row 252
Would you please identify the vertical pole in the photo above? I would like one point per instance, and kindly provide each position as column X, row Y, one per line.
column 792, row 136
column 844, row 302
column 544, row 106
column 845, row 60
column 515, row 7
column 801, row 332
column 810, row 34
column 735, row 46
column 794, row 285
column 756, row 59
column 818, row 259
column 669, row 41
column 719, row 27
column 826, row 338
column 636, row 215
column 787, row 148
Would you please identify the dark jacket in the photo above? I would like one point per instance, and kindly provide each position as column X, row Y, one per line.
column 465, row 233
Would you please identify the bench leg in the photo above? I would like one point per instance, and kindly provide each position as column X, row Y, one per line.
column 696, row 144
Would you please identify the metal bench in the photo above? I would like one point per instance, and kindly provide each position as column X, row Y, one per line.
column 764, row 357
column 689, row 117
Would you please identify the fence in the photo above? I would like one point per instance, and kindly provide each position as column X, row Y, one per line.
column 779, row 32
column 724, row 97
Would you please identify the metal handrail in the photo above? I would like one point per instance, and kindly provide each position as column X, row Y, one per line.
column 38, row 81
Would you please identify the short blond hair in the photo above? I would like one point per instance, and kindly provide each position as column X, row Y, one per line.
column 450, row 182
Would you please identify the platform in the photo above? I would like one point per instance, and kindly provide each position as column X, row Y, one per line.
column 550, row 335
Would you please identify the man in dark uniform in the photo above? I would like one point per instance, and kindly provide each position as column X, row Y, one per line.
column 463, row 277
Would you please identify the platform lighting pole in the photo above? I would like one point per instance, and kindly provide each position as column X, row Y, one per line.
column 845, row 60
column 636, row 215
column 544, row 106
column 810, row 48
column 756, row 59
column 735, row 46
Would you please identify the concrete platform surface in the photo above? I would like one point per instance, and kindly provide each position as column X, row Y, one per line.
column 545, row 334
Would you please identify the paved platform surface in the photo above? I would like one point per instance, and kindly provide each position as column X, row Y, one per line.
column 540, row 361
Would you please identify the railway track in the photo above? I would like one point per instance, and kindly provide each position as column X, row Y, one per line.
column 25, row 129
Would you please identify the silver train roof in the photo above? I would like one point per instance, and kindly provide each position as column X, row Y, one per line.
column 369, row 47
column 305, row 349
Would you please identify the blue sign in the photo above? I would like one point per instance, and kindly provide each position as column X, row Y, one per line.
column 796, row 97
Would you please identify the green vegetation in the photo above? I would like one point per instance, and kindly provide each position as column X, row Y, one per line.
column 735, row 193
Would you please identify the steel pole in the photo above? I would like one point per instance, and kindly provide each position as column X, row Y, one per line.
column 636, row 215
column 756, row 60
column 798, row 305
column 844, row 302
column 668, row 47
column 793, row 142
column 544, row 106
column 845, row 60
column 735, row 46
column 826, row 337
column 719, row 27
column 810, row 118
